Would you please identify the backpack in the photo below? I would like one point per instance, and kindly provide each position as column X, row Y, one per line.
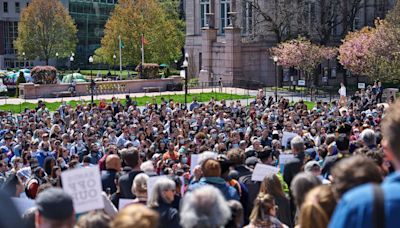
column 253, row 188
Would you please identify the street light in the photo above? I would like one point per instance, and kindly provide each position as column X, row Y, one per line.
column 275, row 58
column 185, row 67
column 92, row 83
column 71, row 60
column 115, row 59
column 23, row 54
column 56, row 59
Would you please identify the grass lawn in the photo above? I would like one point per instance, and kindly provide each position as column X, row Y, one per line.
column 310, row 104
column 201, row 97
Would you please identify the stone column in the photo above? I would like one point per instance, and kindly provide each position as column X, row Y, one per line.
column 233, row 53
column 208, row 37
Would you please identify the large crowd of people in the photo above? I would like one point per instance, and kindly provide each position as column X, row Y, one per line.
column 331, row 159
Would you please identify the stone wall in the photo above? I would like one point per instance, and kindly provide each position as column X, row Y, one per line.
column 33, row 91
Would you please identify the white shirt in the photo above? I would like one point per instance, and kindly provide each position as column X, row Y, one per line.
column 342, row 91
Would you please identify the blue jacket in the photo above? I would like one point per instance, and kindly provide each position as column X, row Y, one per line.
column 356, row 207
column 229, row 192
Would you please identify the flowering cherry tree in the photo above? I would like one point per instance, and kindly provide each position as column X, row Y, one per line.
column 301, row 54
column 373, row 52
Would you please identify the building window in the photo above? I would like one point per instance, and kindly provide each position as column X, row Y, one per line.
column 225, row 20
column 10, row 35
column 309, row 13
column 5, row 7
column 204, row 9
column 357, row 23
column 247, row 18
column 17, row 8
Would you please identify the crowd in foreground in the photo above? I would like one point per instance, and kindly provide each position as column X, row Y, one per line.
column 332, row 160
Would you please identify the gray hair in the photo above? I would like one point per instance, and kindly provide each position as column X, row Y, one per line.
column 204, row 207
column 147, row 167
column 157, row 196
column 368, row 137
column 297, row 143
column 139, row 183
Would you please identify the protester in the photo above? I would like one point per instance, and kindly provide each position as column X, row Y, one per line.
column 271, row 185
column 161, row 199
column 317, row 207
column 139, row 188
column 93, row 219
column 136, row 215
column 264, row 213
column 54, row 209
column 352, row 172
column 204, row 207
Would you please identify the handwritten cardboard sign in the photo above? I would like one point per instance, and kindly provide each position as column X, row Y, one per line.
column 84, row 186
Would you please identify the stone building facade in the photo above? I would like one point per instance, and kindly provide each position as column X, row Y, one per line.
column 223, row 44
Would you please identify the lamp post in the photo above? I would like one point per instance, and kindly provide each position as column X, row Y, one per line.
column 275, row 58
column 56, row 59
column 115, row 59
column 92, row 83
column 23, row 55
column 71, row 60
column 185, row 67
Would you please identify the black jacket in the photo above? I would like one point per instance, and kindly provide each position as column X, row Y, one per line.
column 293, row 167
column 125, row 184
column 169, row 216
column 107, row 180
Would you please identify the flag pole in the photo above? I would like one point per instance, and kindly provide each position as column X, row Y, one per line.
column 120, row 56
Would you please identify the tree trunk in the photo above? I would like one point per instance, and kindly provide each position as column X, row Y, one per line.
column 47, row 61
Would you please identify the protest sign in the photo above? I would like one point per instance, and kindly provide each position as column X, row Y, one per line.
column 123, row 202
column 287, row 137
column 84, row 186
column 283, row 159
column 194, row 160
column 261, row 170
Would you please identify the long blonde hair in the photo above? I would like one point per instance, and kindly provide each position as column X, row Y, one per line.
column 317, row 208
column 261, row 210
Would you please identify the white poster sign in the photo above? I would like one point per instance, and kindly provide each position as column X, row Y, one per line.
column 123, row 202
column 283, row 158
column 194, row 161
column 261, row 170
column 84, row 186
column 361, row 85
column 287, row 137
column 301, row 82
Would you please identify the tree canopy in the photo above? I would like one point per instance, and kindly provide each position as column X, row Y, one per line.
column 46, row 28
column 163, row 32
column 374, row 52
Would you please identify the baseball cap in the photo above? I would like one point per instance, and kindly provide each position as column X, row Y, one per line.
column 54, row 203
column 251, row 161
column 310, row 165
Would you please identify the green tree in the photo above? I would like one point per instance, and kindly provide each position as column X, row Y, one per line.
column 130, row 19
column 46, row 28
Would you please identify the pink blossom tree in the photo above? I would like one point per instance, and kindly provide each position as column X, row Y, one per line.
column 373, row 52
column 303, row 55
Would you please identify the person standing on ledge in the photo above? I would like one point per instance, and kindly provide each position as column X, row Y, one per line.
column 342, row 93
